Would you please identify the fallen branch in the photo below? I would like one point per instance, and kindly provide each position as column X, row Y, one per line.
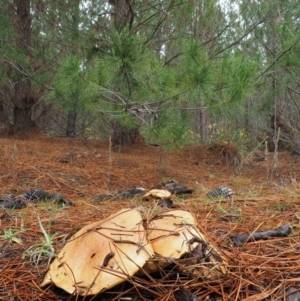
column 240, row 239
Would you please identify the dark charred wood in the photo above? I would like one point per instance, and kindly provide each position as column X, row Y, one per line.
column 121, row 194
column 34, row 196
column 127, row 194
column 180, row 189
column 174, row 188
column 18, row 203
column 240, row 239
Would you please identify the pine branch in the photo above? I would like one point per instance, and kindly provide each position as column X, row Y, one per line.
column 278, row 58
column 237, row 41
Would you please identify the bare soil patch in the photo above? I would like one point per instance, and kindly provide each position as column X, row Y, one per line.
column 81, row 169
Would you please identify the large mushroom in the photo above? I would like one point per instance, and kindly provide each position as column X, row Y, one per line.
column 108, row 252
column 175, row 234
column 101, row 255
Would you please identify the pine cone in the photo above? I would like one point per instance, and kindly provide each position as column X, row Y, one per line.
column 221, row 191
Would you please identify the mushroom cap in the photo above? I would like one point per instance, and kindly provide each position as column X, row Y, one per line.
column 157, row 194
column 170, row 231
column 101, row 255
column 175, row 233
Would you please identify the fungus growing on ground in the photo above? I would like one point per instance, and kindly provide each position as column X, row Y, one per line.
column 109, row 252
column 175, row 234
column 101, row 255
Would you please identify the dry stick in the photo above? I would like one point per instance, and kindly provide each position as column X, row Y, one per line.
column 266, row 150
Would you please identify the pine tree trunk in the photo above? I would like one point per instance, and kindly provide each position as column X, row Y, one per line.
column 202, row 125
column 122, row 136
column 247, row 116
column 72, row 114
column 23, row 103
column 71, row 124
column 23, row 99
column 123, row 14
column 6, row 126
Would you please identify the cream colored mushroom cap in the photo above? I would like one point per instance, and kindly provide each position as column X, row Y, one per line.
column 169, row 233
column 101, row 255
column 157, row 194
column 175, row 233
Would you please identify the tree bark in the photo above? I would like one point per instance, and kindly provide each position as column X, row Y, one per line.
column 123, row 14
column 22, row 110
column 122, row 136
column 72, row 114
column 71, row 124
column 23, row 99
column 202, row 123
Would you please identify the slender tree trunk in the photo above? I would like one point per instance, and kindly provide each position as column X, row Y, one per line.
column 123, row 136
column 123, row 15
column 247, row 116
column 71, row 124
column 23, row 99
column 202, row 123
column 273, row 44
column 6, row 126
column 72, row 114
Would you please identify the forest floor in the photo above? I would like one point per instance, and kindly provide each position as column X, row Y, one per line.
column 266, row 196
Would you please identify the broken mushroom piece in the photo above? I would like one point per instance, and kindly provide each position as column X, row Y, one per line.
column 174, row 234
column 101, row 255
column 157, row 194
column 161, row 194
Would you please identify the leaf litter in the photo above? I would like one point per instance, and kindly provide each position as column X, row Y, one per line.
column 265, row 269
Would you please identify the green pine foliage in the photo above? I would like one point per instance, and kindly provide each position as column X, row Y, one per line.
column 196, row 70
column 130, row 75
column 169, row 128
column 71, row 87
column 126, row 64
column 233, row 63
column 234, row 83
